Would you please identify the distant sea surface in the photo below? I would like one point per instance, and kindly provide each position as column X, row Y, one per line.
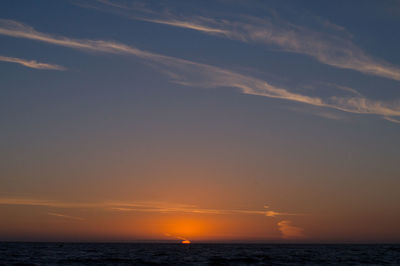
column 17, row 253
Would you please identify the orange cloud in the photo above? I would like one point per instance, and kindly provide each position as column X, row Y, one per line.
column 65, row 216
column 290, row 231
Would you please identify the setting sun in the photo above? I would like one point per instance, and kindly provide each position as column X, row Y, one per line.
column 186, row 242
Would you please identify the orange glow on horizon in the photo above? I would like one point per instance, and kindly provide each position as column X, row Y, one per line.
column 186, row 242
column 182, row 227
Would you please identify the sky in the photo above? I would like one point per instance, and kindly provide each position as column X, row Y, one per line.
column 208, row 121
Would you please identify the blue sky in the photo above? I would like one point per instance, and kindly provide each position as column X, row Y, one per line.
column 260, row 101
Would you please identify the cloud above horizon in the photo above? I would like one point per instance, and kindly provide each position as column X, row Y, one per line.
column 289, row 231
column 137, row 206
column 189, row 73
column 286, row 228
column 69, row 217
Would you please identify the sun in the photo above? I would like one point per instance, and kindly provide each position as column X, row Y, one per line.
column 186, row 242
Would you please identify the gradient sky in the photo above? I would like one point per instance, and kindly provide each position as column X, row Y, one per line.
column 255, row 121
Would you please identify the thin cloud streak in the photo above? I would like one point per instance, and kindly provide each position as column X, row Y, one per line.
column 138, row 206
column 275, row 214
column 188, row 25
column 287, row 229
column 31, row 63
column 397, row 121
column 19, row 30
column 163, row 207
column 60, row 215
column 194, row 74
column 330, row 49
column 46, row 203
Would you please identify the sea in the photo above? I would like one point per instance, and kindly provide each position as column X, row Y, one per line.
column 18, row 253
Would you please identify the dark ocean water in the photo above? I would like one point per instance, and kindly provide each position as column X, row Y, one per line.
column 195, row 254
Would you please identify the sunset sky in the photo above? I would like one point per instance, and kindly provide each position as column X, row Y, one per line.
column 209, row 121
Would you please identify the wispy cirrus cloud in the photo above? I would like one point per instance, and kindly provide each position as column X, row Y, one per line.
column 189, row 25
column 31, row 63
column 138, row 206
column 391, row 119
column 19, row 30
column 45, row 203
column 164, row 207
column 189, row 73
column 331, row 49
column 285, row 227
